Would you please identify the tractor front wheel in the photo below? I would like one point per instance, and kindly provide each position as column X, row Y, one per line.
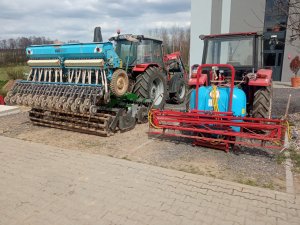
column 152, row 85
column 262, row 104
column 181, row 92
column 119, row 83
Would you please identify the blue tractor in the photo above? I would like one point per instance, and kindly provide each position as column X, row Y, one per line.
column 94, row 87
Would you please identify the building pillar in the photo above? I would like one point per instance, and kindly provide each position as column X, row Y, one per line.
column 201, row 24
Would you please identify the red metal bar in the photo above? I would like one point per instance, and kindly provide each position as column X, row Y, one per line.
column 243, row 143
column 231, row 34
column 214, row 125
column 209, row 114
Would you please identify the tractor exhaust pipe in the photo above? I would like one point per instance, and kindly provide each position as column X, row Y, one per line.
column 97, row 35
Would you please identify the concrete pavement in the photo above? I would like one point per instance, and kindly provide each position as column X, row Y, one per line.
column 41, row 184
column 8, row 110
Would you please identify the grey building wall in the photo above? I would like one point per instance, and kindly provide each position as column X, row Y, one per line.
column 247, row 15
column 201, row 24
column 216, row 17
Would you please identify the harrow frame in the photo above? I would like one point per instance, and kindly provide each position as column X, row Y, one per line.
column 214, row 129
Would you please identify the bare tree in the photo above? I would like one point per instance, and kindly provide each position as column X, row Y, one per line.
column 12, row 50
column 294, row 19
column 174, row 39
column 73, row 41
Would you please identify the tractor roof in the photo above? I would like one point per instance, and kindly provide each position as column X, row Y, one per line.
column 140, row 37
column 202, row 37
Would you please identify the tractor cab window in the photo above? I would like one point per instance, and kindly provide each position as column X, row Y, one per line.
column 237, row 52
column 126, row 50
column 144, row 54
column 143, row 51
column 149, row 51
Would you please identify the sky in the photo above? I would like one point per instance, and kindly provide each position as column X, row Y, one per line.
column 75, row 19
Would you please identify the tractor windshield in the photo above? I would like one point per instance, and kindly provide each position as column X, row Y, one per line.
column 143, row 51
column 237, row 51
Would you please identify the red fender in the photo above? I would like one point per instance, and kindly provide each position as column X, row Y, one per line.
column 202, row 80
column 263, row 78
column 193, row 78
column 172, row 56
column 140, row 68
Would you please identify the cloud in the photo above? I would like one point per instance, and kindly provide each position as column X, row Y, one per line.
column 76, row 19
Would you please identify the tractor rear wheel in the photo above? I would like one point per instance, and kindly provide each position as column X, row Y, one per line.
column 152, row 85
column 262, row 104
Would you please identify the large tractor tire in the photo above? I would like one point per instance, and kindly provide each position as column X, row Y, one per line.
column 262, row 104
column 152, row 85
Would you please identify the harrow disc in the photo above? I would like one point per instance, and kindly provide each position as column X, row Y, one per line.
column 67, row 104
column 85, row 106
column 74, row 108
column 19, row 100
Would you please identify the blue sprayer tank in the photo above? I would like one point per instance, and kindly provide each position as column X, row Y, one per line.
column 205, row 101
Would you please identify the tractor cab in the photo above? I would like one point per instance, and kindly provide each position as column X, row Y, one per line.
column 138, row 49
column 241, row 50
column 142, row 56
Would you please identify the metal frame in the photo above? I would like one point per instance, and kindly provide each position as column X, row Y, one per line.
column 208, row 128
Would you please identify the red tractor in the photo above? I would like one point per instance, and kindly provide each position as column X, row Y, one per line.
column 151, row 74
column 176, row 77
column 244, row 52
column 230, row 98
